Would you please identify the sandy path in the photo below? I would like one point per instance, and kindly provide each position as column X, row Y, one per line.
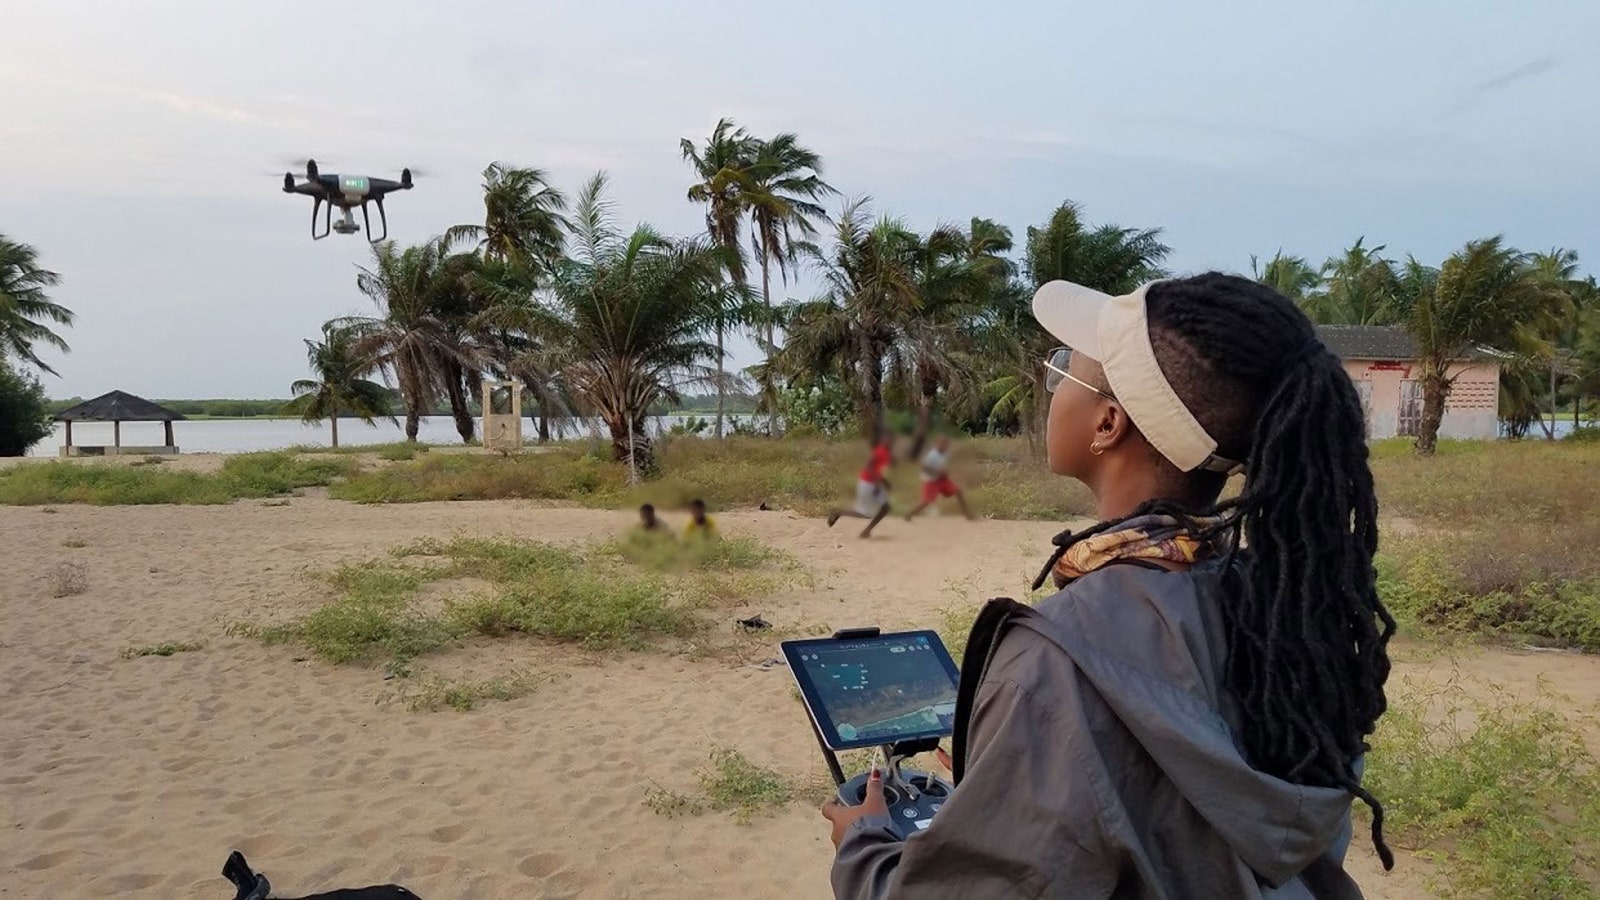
column 138, row 776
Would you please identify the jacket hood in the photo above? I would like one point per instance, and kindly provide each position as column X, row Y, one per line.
column 1156, row 663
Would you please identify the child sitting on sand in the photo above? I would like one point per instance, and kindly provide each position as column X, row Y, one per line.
column 649, row 523
column 700, row 525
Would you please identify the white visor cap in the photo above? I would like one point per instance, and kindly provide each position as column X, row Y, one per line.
column 1114, row 332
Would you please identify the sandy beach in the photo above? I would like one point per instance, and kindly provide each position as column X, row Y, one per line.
column 136, row 777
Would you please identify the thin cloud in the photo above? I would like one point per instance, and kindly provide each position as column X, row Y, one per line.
column 182, row 103
column 1527, row 70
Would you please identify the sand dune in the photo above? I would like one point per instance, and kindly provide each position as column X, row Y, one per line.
column 137, row 776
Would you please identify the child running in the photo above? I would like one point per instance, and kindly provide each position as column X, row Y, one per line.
column 872, row 489
column 936, row 480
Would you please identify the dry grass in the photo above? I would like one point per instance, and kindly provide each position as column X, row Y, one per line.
column 808, row 475
column 1506, row 540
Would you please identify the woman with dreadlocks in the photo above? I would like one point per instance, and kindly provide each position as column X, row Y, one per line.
column 1188, row 716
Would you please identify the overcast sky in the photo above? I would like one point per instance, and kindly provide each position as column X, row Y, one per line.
column 139, row 139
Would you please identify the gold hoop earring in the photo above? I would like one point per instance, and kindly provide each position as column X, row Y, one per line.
column 1096, row 449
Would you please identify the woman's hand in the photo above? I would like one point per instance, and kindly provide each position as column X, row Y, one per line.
column 843, row 816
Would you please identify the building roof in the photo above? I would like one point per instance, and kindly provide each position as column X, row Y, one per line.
column 1389, row 343
column 117, row 406
column 1384, row 343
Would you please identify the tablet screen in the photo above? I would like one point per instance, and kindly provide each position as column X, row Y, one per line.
column 863, row 692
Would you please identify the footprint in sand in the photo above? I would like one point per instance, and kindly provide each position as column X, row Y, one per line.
column 47, row 860
column 55, row 820
column 123, row 883
column 449, row 834
column 540, row 865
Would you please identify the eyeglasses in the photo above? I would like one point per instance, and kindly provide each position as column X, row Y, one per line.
column 1055, row 366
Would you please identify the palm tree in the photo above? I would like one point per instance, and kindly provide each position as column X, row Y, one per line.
column 514, row 332
column 1558, row 269
column 1587, row 356
column 522, row 218
column 1360, row 288
column 632, row 313
column 932, row 354
column 25, row 304
column 724, row 169
column 784, row 185
column 340, row 385
column 1290, row 276
column 1483, row 295
column 871, row 290
column 410, row 342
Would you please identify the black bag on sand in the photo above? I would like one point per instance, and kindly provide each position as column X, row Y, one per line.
column 253, row 886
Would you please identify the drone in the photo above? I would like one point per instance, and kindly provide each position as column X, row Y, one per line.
column 346, row 192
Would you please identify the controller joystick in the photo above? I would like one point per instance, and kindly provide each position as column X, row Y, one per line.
column 892, row 692
column 912, row 797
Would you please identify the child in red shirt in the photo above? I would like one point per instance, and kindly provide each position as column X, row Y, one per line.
column 872, row 489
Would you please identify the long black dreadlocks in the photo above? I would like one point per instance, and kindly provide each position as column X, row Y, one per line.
column 1307, row 635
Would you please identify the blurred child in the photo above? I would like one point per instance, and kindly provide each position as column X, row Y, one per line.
column 936, row 480
column 872, row 489
column 649, row 523
column 700, row 525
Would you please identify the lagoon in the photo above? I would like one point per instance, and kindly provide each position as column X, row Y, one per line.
column 249, row 435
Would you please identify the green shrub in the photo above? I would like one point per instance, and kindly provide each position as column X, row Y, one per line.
column 1501, row 790
column 729, row 782
column 24, row 410
column 432, row 692
column 167, row 648
column 1476, row 584
column 592, row 596
column 249, row 475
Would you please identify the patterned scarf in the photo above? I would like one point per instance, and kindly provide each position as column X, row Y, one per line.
column 1141, row 537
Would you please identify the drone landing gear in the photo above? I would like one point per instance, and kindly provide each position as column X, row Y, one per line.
column 382, row 217
column 316, row 206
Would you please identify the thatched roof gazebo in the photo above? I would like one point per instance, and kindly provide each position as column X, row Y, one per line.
column 117, row 407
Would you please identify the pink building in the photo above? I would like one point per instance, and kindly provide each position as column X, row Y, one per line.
column 1381, row 360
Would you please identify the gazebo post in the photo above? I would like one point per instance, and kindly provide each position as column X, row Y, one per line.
column 116, row 433
column 170, row 442
column 69, row 432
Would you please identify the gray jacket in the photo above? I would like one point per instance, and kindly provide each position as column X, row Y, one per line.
column 1100, row 761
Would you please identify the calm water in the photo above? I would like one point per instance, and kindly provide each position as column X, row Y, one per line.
column 245, row 435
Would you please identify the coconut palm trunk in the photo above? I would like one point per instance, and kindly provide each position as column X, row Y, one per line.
column 333, row 425
column 459, row 410
column 1435, row 389
column 722, row 375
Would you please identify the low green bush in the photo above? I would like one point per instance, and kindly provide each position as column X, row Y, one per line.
column 1501, row 791
column 248, row 475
